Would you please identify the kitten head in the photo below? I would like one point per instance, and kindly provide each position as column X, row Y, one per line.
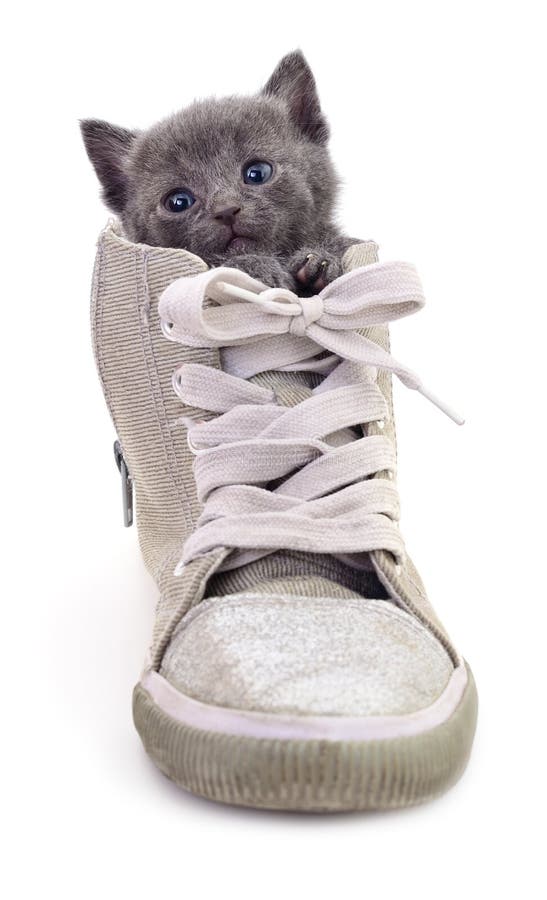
column 231, row 175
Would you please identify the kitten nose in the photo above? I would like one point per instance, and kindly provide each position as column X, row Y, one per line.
column 227, row 216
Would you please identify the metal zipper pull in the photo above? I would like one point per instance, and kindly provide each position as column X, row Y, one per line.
column 127, row 485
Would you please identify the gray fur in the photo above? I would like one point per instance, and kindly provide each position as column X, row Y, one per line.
column 288, row 222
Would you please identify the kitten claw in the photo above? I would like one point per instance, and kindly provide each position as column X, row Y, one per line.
column 314, row 271
column 302, row 274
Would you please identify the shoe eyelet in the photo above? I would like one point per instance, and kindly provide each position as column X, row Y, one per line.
column 192, row 448
column 176, row 381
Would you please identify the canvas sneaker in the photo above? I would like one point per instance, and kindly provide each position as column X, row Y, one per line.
column 296, row 662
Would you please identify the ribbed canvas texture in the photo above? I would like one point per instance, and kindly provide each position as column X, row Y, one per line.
column 135, row 364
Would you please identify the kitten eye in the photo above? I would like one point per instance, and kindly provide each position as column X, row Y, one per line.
column 257, row 173
column 179, row 201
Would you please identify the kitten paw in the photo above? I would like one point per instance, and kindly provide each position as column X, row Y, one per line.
column 314, row 269
column 266, row 269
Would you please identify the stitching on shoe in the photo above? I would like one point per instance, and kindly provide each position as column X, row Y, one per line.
column 141, row 263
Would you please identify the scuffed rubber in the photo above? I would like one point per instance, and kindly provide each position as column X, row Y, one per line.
column 309, row 775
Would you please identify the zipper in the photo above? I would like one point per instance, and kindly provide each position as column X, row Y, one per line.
column 127, row 485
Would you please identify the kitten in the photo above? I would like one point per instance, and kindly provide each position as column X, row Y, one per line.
column 240, row 181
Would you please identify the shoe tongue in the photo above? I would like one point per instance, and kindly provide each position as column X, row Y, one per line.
column 308, row 574
column 287, row 571
column 290, row 388
column 294, row 572
column 299, row 586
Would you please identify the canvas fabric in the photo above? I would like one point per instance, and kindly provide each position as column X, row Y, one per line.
column 135, row 364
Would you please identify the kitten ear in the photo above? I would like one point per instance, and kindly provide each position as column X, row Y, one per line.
column 293, row 82
column 107, row 147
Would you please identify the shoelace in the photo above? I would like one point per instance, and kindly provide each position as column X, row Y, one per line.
column 271, row 476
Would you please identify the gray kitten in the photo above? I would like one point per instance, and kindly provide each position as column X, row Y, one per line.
column 239, row 181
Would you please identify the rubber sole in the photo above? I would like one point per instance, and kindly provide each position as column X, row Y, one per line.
column 309, row 775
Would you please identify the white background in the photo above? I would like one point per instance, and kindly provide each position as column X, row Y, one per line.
column 438, row 114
